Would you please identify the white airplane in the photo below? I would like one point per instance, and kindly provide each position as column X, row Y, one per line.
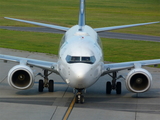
column 80, row 62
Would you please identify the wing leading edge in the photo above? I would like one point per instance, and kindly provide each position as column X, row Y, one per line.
column 108, row 68
column 122, row 26
column 51, row 66
column 40, row 24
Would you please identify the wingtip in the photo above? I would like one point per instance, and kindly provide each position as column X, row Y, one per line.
column 9, row 18
column 6, row 17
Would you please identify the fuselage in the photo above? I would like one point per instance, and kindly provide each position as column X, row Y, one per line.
column 80, row 57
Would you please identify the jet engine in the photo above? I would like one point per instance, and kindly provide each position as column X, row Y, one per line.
column 21, row 77
column 138, row 80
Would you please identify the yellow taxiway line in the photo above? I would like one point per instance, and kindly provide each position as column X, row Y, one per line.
column 69, row 109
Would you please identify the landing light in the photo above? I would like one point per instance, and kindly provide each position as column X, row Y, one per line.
column 67, row 81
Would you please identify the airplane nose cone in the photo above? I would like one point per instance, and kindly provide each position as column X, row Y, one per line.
column 80, row 75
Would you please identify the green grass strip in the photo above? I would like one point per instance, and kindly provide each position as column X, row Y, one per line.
column 99, row 13
column 115, row 50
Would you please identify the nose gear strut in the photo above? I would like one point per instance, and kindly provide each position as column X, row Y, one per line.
column 79, row 97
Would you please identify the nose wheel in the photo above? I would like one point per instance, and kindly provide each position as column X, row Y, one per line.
column 79, row 97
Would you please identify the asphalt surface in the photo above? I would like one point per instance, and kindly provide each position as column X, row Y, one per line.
column 32, row 105
column 102, row 34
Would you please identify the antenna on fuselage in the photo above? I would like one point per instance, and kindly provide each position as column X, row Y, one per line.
column 82, row 18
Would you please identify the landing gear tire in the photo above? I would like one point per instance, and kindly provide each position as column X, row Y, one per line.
column 51, row 86
column 118, row 88
column 76, row 99
column 108, row 88
column 82, row 99
column 41, row 86
column 79, row 99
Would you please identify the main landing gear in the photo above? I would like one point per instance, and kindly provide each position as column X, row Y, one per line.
column 79, row 97
column 114, row 85
column 46, row 82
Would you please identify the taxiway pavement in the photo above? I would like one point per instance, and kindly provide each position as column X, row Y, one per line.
column 32, row 105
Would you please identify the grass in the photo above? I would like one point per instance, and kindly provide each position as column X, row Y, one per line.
column 30, row 41
column 100, row 13
column 115, row 50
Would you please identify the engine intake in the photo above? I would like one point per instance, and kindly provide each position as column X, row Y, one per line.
column 138, row 80
column 21, row 77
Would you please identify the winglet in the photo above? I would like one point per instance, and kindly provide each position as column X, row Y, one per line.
column 82, row 19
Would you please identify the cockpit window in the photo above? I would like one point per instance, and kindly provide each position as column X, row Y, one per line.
column 78, row 59
column 86, row 59
column 75, row 58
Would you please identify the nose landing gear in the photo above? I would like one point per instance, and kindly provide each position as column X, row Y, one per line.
column 79, row 97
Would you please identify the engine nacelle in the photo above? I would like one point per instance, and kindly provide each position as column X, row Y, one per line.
column 138, row 80
column 21, row 77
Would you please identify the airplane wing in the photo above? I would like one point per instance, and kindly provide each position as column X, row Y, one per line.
column 109, row 68
column 66, row 28
column 122, row 26
column 51, row 66
column 40, row 24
